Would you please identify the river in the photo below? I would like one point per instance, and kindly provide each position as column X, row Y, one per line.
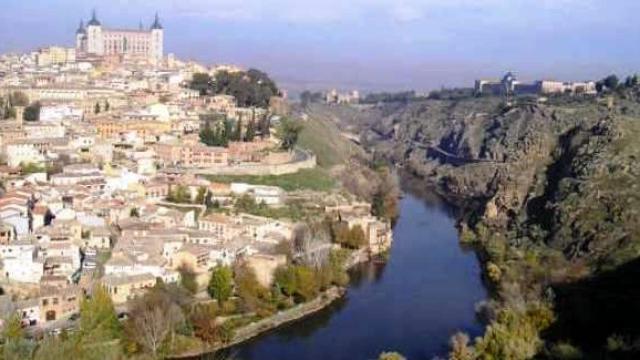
column 426, row 292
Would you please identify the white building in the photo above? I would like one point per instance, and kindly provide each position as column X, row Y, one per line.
column 23, row 152
column 269, row 195
column 141, row 44
column 18, row 262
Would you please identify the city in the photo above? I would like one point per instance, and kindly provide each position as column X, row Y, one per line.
column 277, row 180
column 111, row 176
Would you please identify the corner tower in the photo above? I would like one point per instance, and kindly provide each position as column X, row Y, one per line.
column 95, row 41
column 157, row 40
column 81, row 38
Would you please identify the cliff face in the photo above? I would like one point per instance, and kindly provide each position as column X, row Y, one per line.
column 561, row 174
column 544, row 172
column 550, row 191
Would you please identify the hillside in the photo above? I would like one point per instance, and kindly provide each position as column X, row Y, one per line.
column 550, row 198
column 322, row 135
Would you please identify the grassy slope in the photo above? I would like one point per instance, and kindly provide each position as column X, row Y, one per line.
column 322, row 136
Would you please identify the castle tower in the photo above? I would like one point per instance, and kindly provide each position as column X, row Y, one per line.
column 95, row 41
column 157, row 41
column 81, row 37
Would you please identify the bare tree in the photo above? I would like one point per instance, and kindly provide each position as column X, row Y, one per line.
column 153, row 318
column 312, row 243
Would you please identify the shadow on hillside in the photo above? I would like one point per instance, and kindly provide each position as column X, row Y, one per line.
column 591, row 310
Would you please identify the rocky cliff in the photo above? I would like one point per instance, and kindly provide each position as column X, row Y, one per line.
column 550, row 189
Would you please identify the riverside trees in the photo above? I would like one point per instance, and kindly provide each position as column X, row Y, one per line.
column 221, row 283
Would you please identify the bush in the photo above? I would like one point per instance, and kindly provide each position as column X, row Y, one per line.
column 220, row 283
column 565, row 351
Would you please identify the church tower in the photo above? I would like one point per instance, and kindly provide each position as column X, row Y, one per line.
column 157, row 41
column 95, row 41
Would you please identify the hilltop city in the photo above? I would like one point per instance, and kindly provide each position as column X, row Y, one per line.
column 124, row 168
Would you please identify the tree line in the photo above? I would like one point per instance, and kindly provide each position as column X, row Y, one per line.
column 18, row 98
column 226, row 130
column 250, row 88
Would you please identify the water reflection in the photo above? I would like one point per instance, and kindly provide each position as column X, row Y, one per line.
column 366, row 273
column 412, row 304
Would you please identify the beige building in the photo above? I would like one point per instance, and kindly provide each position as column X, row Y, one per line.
column 123, row 288
column 55, row 55
column 59, row 302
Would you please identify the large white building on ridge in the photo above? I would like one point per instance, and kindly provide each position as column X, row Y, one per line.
column 143, row 44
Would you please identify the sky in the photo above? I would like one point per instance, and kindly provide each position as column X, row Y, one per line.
column 370, row 45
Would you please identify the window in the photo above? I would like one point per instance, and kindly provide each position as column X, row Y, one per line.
column 55, row 301
column 45, row 302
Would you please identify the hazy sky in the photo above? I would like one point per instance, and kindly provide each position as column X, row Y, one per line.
column 370, row 44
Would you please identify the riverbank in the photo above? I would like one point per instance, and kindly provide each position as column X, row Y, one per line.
column 412, row 304
column 257, row 328
column 284, row 317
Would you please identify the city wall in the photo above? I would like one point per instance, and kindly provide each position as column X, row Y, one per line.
column 299, row 160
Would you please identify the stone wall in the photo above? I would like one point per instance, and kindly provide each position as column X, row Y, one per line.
column 299, row 160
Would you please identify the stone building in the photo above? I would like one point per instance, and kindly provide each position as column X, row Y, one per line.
column 96, row 40
column 509, row 85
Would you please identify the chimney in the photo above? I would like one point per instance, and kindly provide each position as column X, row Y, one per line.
column 19, row 114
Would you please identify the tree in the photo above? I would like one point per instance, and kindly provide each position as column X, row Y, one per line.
column 180, row 194
column 221, row 283
column 98, row 319
column 306, row 282
column 32, row 112
column 460, row 349
column 205, row 326
column 264, row 127
column 13, row 331
column 250, row 88
column 308, row 97
column 96, row 108
column 16, row 346
column 249, row 289
column 391, row 356
column 227, row 133
column 202, row 194
column 208, row 202
column 201, row 82
column 153, row 319
column 207, row 135
column 611, row 82
column 297, row 281
column 237, row 134
column 339, row 275
column 250, row 134
column 246, row 203
column 288, row 133
column 188, row 279
column 356, row 237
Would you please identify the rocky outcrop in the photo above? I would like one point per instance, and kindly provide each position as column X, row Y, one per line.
column 518, row 168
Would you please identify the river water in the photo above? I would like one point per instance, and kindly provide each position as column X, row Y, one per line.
column 412, row 304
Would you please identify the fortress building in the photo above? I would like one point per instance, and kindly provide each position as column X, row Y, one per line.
column 96, row 40
column 509, row 85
